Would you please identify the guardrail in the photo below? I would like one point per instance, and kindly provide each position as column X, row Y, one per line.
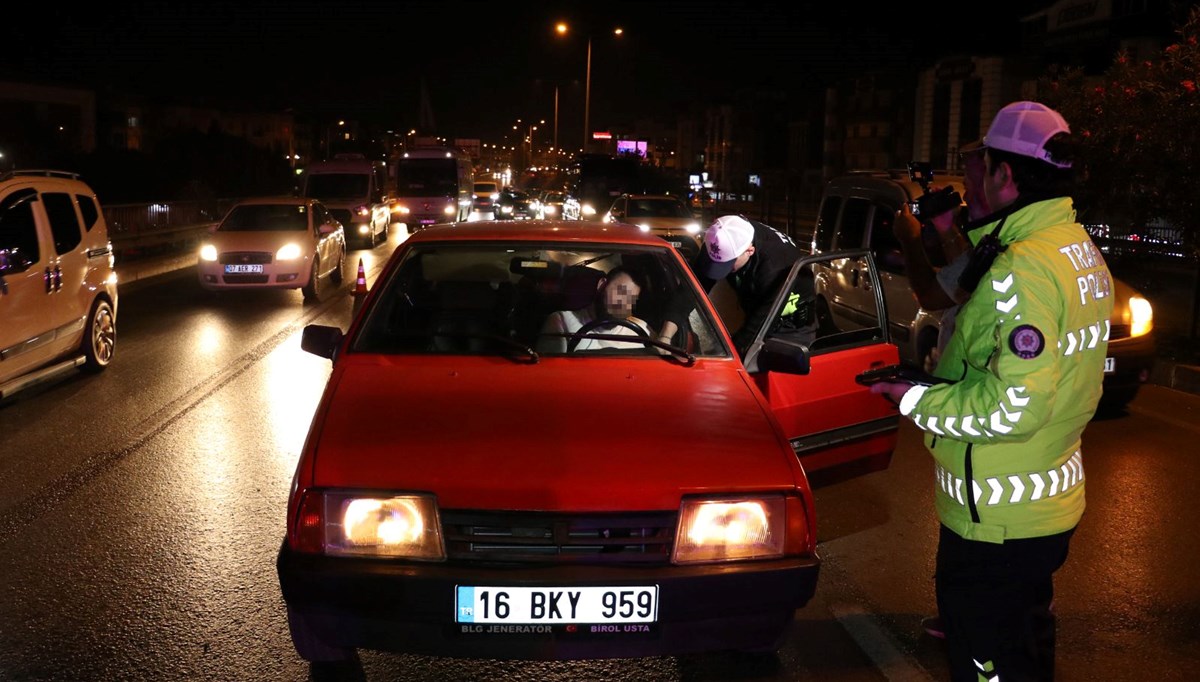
column 136, row 229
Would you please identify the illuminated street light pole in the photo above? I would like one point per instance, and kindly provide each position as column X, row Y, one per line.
column 561, row 28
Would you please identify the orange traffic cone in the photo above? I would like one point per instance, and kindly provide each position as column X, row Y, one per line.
column 360, row 284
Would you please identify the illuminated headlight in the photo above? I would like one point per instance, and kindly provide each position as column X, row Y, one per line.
column 208, row 252
column 506, row 209
column 364, row 229
column 730, row 529
column 549, row 209
column 588, row 209
column 288, row 252
column 402, row 209
column 401, row 526
column 450, row 210
column 692, row 228
column 644, row 227
column 363, row 211
column 496, row 197
column 1139, row 316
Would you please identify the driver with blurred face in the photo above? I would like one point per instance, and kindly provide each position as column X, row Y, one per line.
column 616, row 295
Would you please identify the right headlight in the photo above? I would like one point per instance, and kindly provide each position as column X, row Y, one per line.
column 208, row 252
column 730, row 529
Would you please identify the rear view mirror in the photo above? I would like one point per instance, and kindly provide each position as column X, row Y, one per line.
column 784, row 356
column 321, row 340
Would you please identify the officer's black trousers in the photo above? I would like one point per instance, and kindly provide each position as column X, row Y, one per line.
column 994, row 601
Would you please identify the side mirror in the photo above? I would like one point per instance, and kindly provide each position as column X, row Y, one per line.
column 784, row 356
column 321, row 340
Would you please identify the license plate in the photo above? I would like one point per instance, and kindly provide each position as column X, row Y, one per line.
column 1110, row 365
column 239, row 269
column 677, row 245
column 525, row 605
column 428, row 221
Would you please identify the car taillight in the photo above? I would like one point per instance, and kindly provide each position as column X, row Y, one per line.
column 308, row 537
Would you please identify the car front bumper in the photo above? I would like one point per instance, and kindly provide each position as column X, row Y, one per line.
column 409, row 607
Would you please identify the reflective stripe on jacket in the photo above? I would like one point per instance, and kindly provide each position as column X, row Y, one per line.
column 1027, row 359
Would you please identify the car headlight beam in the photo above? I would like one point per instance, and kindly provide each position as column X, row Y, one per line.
column 401, row 526
column 731, row 529
column 1141, row 316
column 288, row 252
column 208, row 252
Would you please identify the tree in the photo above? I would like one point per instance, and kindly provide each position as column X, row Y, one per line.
column 1138, row 132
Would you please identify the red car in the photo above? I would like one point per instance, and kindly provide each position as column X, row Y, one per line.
column 509, row 460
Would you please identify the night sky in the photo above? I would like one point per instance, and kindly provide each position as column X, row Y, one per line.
column 484, row 64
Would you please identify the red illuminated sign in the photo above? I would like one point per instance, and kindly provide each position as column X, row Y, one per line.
column 602, row 136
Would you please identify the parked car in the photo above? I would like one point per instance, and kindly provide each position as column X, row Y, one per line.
column 857, row 211
column 663, row 215
column 58, row 290
column 463, row 493
column 274, row 243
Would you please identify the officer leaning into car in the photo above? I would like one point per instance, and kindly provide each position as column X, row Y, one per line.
column 755, row 259
column 1026, row 362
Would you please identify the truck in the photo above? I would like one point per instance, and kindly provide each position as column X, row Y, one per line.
column 433, row 185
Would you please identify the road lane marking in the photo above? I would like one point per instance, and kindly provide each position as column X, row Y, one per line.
column 878, row 645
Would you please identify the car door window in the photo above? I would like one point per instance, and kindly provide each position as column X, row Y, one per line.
column 853, row 228
column 64, row 222
column 89, row 210
column 883, row 243
column 18, row 232
column 826, row 220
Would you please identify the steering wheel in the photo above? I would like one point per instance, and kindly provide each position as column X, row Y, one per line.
column 605, row 321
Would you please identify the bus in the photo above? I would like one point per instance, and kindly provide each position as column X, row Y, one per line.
column 433, row 185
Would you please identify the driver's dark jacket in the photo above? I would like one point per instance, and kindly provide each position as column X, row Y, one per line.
column 757, row 283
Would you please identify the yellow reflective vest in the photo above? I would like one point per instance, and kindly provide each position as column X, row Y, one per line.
column 1027, row 362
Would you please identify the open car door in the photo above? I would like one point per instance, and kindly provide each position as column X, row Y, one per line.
column 837, row 428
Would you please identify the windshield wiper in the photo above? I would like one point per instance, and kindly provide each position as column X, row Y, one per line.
column 511, row 343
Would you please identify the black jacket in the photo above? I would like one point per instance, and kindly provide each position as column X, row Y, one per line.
column 757, row 283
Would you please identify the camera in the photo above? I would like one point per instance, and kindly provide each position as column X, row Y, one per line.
column 930, row 204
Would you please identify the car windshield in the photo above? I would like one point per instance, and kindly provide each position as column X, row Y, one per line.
column 329, row 186
column 554, row 198
column 266, row 218
column 658, row 208
column 485, row 188
column 538, row 299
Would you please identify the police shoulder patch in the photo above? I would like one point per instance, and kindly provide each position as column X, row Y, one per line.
column 1027, row 341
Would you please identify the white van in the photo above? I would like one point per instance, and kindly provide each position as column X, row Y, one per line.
column 354, row 189
column 58, row 289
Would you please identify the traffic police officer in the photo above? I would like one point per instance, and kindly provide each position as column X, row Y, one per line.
column 1026, row 362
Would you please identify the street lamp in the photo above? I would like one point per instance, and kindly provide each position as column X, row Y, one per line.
column 561, row 28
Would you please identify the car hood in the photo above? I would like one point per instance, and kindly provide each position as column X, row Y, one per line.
column 259, row 241
column 562, row 434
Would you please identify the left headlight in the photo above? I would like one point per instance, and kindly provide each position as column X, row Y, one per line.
column 208, row 252
column 402, row 526
column 692, row 228
column 288, row 252
column 1141, row 316
column 730, row 529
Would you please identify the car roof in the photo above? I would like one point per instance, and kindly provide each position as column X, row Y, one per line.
column 584, row 231
column 895, row 183
column 282, row 199
column 668, row 197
